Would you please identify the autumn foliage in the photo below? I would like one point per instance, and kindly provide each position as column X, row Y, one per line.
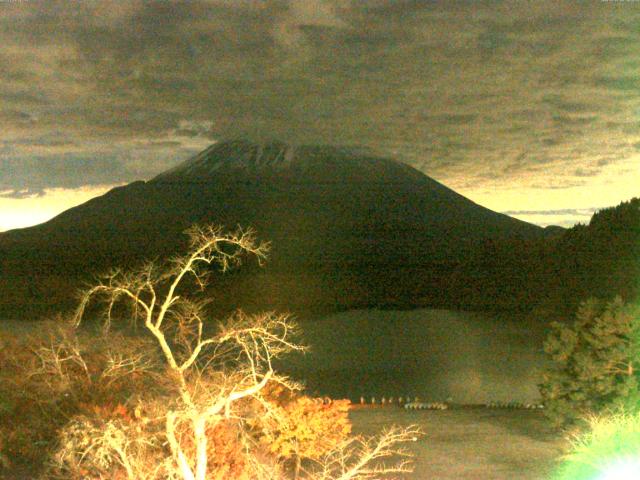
column 56, row 373
column 296, row 427
column 179, row 396
column 72, row 406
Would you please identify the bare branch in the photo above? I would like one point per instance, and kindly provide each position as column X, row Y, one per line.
column 211, row 372
column 359, row 458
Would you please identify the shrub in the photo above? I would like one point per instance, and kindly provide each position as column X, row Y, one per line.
column 610, row 448
column 297, row 427
column 189, row 402
column 594, row 362
column 55, row 374
column 206, row 416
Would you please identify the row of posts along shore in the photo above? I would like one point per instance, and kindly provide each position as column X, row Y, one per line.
column 416, row 403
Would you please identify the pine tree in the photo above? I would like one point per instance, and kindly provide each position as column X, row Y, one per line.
column 594, row 362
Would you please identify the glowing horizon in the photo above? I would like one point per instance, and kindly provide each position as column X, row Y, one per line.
column 549, row 208
column 37, row 209
column 528, row 108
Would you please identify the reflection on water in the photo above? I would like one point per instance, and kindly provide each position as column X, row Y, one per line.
column 434, row 354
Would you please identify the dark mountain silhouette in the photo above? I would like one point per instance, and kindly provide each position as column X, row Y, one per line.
column 347, row 230
column 601, row 259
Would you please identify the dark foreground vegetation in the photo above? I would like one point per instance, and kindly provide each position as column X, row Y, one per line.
column 174, row 395
column 179, row 399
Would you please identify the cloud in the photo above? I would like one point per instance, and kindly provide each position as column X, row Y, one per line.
column 562, row 211
column 30, row 167
column 31, row 210
column 583, row 172
column 565, row 220
column 33, row 172
column 191, row 128
column 20, row 194
column 465, row 92
column 17, row 117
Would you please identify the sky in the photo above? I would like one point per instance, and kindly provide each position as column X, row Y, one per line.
column 531, row 108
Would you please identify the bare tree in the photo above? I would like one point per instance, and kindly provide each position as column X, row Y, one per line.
column 213, row 371
column 359, row 458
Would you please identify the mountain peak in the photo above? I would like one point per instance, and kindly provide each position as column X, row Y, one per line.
column 235, row 155
column 325, row 209
column 239, row 159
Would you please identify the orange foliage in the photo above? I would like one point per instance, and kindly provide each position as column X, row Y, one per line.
column 287, row 426
column 299, row 426
column 24, row 426
column 35, row 403
column 226, row 456
column 108, row 411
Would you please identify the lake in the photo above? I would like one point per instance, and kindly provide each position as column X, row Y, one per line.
column 437, row 355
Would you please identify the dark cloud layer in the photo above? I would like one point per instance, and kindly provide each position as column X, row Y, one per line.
column 35, row 173
column 465, row 91
column 25, row 171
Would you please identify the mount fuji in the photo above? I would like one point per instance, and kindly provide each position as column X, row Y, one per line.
column 348, row 229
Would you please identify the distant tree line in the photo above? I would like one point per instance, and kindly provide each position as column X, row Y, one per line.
column 548, row 276
column 553, row 275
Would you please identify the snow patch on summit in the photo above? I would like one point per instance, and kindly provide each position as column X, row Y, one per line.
column 236, row 155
